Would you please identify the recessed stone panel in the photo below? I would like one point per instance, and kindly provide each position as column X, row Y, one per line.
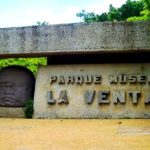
column 93, row 91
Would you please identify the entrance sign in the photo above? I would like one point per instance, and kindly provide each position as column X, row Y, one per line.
column 93, row 91
column 96, row 90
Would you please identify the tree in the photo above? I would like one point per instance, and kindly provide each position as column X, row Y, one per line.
column 144, row 14
column 92, row 17
column 130, row 8
column 103, row 17
column 114, row 14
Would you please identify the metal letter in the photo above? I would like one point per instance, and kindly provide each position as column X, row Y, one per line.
column 147, row 101
column 70, row 79
column 118, row 96
column 50, row 99
column 61, row 80
column 148, row 78
column 113, row 79
column 134, row 96
column 123, row 78
column 102, row 97
column 63, row 99
column 88, row 79
column 132, row 79
column 141, row 78
column 97, row 79
column 89, row 95
column 52, row 79
column 79, row 79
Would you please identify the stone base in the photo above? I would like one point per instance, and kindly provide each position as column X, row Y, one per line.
column 9, row 112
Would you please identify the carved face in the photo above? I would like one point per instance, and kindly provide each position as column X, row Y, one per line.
column 16, row 86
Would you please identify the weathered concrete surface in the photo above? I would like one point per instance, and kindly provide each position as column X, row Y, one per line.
column 20, row 134
column 75, row 92
column 11, row 112
column 75, row 38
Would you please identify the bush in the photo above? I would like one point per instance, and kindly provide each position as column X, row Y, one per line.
column 30, row 63
column 29, row 109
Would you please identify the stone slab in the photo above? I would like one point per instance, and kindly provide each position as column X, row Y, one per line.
column 107, row 37
column 102, row 98
column 11, row 112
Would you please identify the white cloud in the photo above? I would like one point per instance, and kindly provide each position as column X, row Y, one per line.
column 116, row 3
column 103, row 6
column 68, row 16
column 25, row 18
column 53, row 15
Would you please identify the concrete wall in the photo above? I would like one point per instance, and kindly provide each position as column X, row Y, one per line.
column 75, row 38
column 50, row 102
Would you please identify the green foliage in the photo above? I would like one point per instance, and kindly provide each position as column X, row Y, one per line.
column 144, row 14
column 92, row 17
column 140, row 18
column 146, row 4
column 103, row 17
column 130, row 11
column 130, row 8
column 29, row 109
column 44, row 23
column 30, row 63
column 114, row 14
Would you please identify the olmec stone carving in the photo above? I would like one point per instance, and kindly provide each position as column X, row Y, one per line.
column 16, row 86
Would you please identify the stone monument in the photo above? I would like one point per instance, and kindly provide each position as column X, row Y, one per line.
column 95, row 70
column 16, row 88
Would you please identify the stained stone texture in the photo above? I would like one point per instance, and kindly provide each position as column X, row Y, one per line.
column 11, row 112
column 103, row 98
column 16, row 86
column 107, row 37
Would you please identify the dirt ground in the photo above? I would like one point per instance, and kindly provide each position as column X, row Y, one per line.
column 30, row 134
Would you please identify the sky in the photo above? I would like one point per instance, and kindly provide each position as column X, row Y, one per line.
column 15, row 13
